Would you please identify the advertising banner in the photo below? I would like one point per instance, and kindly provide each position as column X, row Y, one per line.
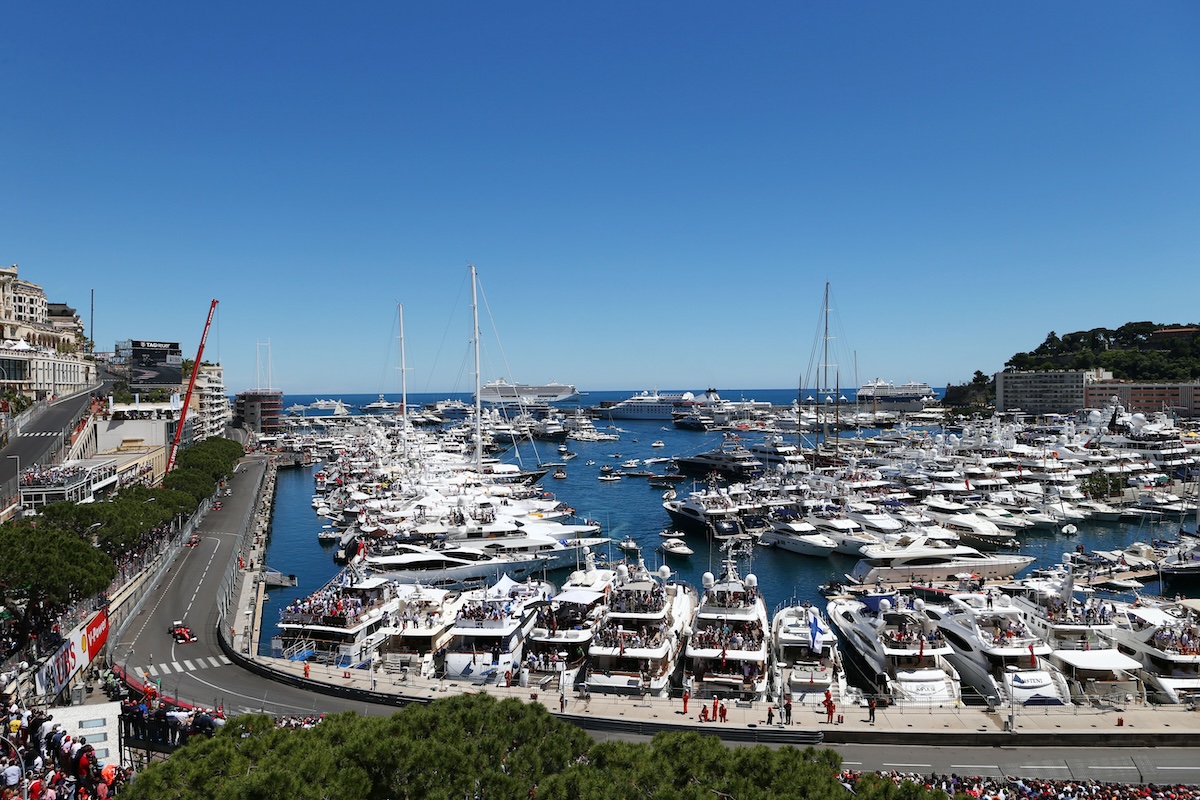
column 83, row 645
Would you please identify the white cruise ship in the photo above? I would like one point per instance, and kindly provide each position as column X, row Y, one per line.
column 646, row 405
column 910, row 396
column 501, row 391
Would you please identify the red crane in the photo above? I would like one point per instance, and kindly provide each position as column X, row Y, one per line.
column 187, row 400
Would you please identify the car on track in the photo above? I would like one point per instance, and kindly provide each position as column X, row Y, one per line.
column 181, row 633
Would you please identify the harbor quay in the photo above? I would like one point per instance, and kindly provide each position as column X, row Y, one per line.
column 1134, row 723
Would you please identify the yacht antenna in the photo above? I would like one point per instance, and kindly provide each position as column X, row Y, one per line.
column 403, row 387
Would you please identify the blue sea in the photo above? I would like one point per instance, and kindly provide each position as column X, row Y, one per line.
column 629, row 508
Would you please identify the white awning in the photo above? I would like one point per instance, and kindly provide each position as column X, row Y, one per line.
column 583, row 597
column 1098, row 659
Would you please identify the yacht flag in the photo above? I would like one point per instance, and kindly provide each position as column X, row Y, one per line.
column 814, row 634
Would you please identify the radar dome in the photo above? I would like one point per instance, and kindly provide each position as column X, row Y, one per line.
column 752, row 581
column 1005, row 601
column 622, row 571
column 664, row 572
column 918, row 604
column 707, row 580
column 885, row 605
column 688, row 397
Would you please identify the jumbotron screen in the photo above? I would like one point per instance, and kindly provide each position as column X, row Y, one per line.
column 155, row 365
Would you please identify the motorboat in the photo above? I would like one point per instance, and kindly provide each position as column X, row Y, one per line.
column 996, row 653
column 728, row 649
column 789, row 532
column 922, row 560
column 904, row 655
column 638, row 647
column 559, row 474
column 805, row 659
column 873, row 519
column 629, row 545
column 488, row 637
column 658, row 443
column 848, row 536
column 676, row 547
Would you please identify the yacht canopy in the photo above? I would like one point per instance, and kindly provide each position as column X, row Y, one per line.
column 1098, row 659
column 583, row 597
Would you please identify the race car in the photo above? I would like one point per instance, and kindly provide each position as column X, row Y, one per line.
column 193, row 541
column 181, row 633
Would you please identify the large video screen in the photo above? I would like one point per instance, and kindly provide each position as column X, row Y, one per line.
column 155, row 364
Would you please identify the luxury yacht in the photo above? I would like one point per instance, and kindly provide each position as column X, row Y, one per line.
column 923, row 560
column 727, row 651
column 805, row 659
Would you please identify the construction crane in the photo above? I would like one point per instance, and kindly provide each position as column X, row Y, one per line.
column 187, row 400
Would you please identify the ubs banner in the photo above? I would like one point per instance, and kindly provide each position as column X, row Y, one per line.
column 155, row 364
column 83, row 645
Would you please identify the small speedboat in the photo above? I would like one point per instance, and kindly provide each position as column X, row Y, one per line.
column 676, row 547
column 658, row 443
column 559, row 473
column 628, row 545
column 610, row 478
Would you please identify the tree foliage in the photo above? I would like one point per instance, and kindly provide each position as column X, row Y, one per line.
column 43, row 567
column 476, row 746
column 1137, row 351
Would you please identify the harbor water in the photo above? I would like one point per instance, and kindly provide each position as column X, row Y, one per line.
column 630, row 507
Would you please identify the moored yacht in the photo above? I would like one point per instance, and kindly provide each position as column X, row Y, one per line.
column 727, row 650
column 488, row 636
column 920, row 560
column 996, row 653
column 905, row 656
column 1165, row 638
column 639, row 645
column 805, row 659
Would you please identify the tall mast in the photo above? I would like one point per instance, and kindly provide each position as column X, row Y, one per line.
column 403, row 386
column 478, row 404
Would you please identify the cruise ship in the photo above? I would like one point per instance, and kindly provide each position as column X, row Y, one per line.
column 645, row 405
column 501, row 391
column 910, row 396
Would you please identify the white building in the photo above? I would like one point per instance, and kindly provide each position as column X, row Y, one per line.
column 210, row 403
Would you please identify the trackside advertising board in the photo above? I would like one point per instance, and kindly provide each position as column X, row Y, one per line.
column 83, row 645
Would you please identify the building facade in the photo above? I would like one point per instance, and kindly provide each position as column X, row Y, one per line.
column 1182, row 399
column 1050, row 392
column 259, row 410
column 210, row 403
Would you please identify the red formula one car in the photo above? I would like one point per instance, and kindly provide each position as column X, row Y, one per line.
column 181, row 633
column 193, row 540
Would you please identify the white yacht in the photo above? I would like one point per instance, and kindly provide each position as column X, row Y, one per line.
column 727, row 650
column 920, row 560
column 778, row 455
column 342, row 623
column 488, row 637
column 557, row 646
column 797, row 536
column 904, row 654
column 1165, row 638
column 1080, row 635
column 848, row 536
column 805, row 659
column 639, row 646
column 410, row 563
column 995, row 651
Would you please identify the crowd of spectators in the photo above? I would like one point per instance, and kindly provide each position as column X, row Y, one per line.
column 51, row 763
column 1012, row 788
column 52, row 476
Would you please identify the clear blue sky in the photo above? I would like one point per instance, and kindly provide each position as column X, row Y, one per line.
column 654, row 193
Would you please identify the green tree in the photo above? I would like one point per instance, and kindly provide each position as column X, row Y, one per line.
column 45, row 567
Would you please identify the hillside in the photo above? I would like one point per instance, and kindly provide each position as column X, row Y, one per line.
column 1136, row 351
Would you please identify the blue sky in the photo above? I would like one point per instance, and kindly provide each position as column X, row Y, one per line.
column 654, row 194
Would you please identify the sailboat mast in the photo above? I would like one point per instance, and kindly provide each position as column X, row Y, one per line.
column 478, row 404
column 403, row 386
column 825, row 367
